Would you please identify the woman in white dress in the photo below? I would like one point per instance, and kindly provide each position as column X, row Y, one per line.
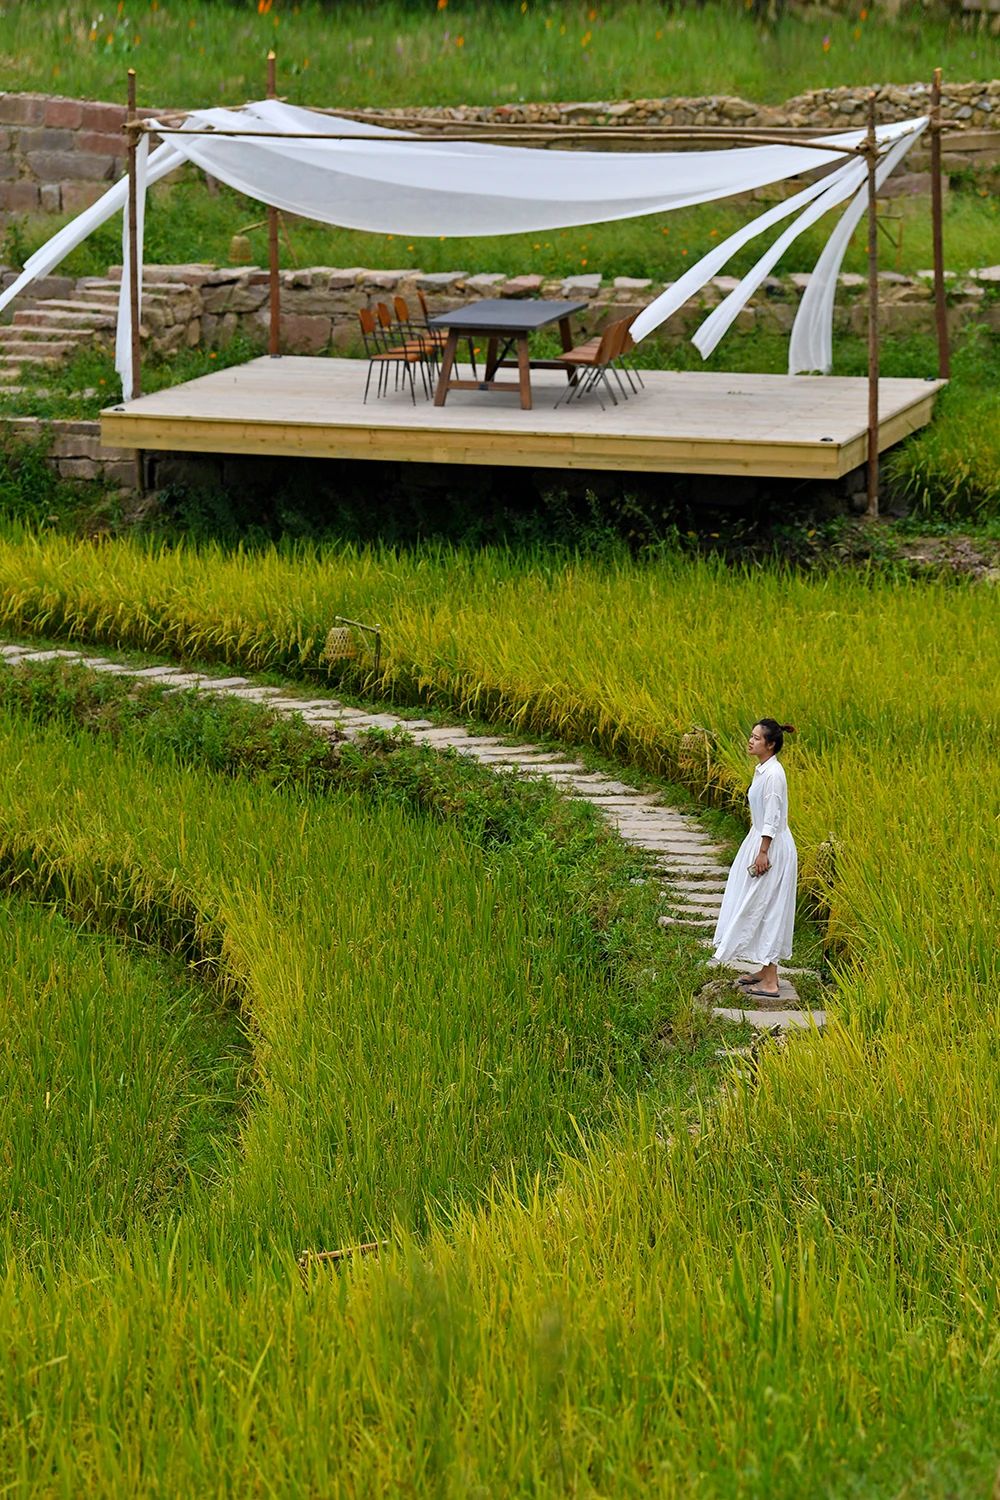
column 758, row 909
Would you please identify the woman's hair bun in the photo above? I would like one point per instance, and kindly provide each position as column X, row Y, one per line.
column 788, row 728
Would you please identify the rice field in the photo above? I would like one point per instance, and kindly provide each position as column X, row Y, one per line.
column 801, row 1298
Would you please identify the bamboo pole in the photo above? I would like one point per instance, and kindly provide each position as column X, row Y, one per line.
column 506, row 134
column 133, row 239
column 135, row 302
column 871, row 151
column 940, row 306
column 274, row 279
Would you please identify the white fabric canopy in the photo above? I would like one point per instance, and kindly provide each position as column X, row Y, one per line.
column 400, row 184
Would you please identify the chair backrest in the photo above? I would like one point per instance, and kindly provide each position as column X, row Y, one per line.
column 608, row 349
column 384, row 315
column 423, row 305
column 369, row 330
column 402, row 309
column 621, row 333
column 628, row 343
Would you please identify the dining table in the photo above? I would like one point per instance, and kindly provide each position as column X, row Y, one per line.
column 505, row 323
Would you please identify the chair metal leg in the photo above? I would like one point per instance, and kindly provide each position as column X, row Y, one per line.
column 368, row 381
column 623, row 367
column 621, row 384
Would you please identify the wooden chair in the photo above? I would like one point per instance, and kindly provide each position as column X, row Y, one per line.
column 592, row 362
column 381, row 353
column 432, row 336
column 410, row 336
column 621, row 361
column 437, row 334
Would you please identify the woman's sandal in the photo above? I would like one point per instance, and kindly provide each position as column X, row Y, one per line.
column 748, row 981
column 764, row 994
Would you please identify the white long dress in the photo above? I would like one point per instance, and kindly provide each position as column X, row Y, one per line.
column 758, row 911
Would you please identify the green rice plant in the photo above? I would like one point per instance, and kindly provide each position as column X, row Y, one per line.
column 119, row 1076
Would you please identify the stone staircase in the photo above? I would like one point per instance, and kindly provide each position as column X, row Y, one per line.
column 44, row 334
column 681, row 856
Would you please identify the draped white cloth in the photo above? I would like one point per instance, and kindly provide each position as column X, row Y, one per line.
column 400, row 184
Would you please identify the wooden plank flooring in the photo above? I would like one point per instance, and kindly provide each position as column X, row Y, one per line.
column 804, row 426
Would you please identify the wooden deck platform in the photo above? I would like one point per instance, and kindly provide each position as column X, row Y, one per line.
column 800, row 427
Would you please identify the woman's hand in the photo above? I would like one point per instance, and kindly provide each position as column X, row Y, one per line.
column 762, row 864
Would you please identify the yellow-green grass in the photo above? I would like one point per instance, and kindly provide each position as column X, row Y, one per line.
column 190, row 52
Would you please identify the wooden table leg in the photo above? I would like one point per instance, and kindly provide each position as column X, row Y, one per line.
column 491, row 358
column 524, row 371
column 565, row 333
column 447, row 362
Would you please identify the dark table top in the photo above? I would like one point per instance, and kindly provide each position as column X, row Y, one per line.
column 506, row 315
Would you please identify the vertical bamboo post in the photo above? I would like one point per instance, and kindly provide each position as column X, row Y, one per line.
column 274, row 328
column 871, row 154
column 133, row 238
column 937, row 228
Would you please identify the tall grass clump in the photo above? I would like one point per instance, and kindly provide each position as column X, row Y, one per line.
column 119, row 1076
column 952, row 468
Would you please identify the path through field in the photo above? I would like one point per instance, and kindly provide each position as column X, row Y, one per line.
column 681, row 855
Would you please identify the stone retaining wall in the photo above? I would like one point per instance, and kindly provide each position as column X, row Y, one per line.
column 74, row 449
column 58, row 155
column 319, row 305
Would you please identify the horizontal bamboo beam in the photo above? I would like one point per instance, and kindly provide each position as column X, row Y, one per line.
column 503, row 136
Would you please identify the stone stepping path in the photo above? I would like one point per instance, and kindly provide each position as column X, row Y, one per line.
column 683, row 858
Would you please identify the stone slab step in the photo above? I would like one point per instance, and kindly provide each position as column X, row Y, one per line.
column 666, row 921
column 575, row 781
column 13, row 336
column 50, row 656
column 610, row 802
column 652, row 820
column 739, row 967
column 377, row 721
column 772, row 1020
column 697, row 887
column 77, row 318
column 18, row 365
column 82, row 305
column 689, row 864
column 788, row 996
column 563, row 770
column 28, row 350
column 696, row 908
